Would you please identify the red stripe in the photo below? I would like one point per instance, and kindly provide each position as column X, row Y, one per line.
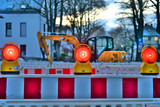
column 130, row 88
column 66, row 71
column 98, row 87
column 156, row 87
column 38, row 71
column 52, row 71
column 93, row 71
column 3, row 82
column 25, row 71
column 65, row 88
column 32, row 88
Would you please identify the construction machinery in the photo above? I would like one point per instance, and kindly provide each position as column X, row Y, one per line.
column 100, row 46
column 82, row 51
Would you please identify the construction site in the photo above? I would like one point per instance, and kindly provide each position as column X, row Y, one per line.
column 79, row 53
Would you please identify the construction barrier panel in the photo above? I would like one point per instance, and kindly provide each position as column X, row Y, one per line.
column 78, row 87
column 51, row 71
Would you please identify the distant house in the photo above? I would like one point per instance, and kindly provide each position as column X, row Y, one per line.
column 151, row 37
column 21, row 25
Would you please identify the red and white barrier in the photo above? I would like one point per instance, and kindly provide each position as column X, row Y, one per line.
column 51, row 71
column 35, row 71
column 78, row 87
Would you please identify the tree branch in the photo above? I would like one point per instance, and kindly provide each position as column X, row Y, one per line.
column 39, row 4
column 153, row 3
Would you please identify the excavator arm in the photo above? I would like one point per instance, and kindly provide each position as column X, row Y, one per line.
column 43, row 45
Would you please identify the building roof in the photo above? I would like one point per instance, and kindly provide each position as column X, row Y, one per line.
column 30, row 11
column 149, row 30
column 18, row 5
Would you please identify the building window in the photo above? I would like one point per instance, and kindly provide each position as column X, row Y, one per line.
column 145, row 38
column 149, row 38
column 155, row 38
column 23, row 29
column 22, row 50
column 9, row 29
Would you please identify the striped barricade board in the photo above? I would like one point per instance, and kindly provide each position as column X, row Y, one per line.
column 78, row 87
column 51, row 71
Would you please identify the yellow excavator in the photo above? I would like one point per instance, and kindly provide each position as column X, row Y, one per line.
column 63, row 37
column 101, row 47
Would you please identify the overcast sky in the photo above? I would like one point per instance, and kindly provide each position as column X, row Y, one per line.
column 110, row 14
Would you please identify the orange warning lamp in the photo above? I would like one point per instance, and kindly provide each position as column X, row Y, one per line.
column 82, row 55
column 10, row 53
column 149, row 56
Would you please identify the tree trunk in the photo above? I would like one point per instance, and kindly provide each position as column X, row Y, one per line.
column 51, row 16
column 140, row 29
column 56, row 43
column 61, row 17
column 51, row 27
column 134, row 24
column 158, row 17
column 73, row 26
column 132, row 50
column 55, row 16
column 138, row 25
column 80, row 28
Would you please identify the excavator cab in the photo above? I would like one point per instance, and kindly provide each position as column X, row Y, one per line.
column 99, row 44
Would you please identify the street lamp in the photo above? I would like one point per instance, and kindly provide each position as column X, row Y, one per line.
column 122, row 46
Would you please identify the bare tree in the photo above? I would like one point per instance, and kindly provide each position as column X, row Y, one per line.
column 156, row 4
column 136, row 8
column 80, row 15
column 49, row 10
column 61, row 16
column 123, row 39
column 58, row 43
column 127, row 35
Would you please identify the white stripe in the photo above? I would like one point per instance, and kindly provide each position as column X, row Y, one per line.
column 114, row 87
column 82, row 88
column 15, row 88
column 49, row 88
column 145, row 87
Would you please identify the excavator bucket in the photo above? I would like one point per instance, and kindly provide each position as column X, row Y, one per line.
column 49, row 59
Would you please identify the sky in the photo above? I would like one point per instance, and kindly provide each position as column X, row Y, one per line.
column 110, row 15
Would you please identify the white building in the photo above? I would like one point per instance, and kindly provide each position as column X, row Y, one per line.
column 21, row 27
